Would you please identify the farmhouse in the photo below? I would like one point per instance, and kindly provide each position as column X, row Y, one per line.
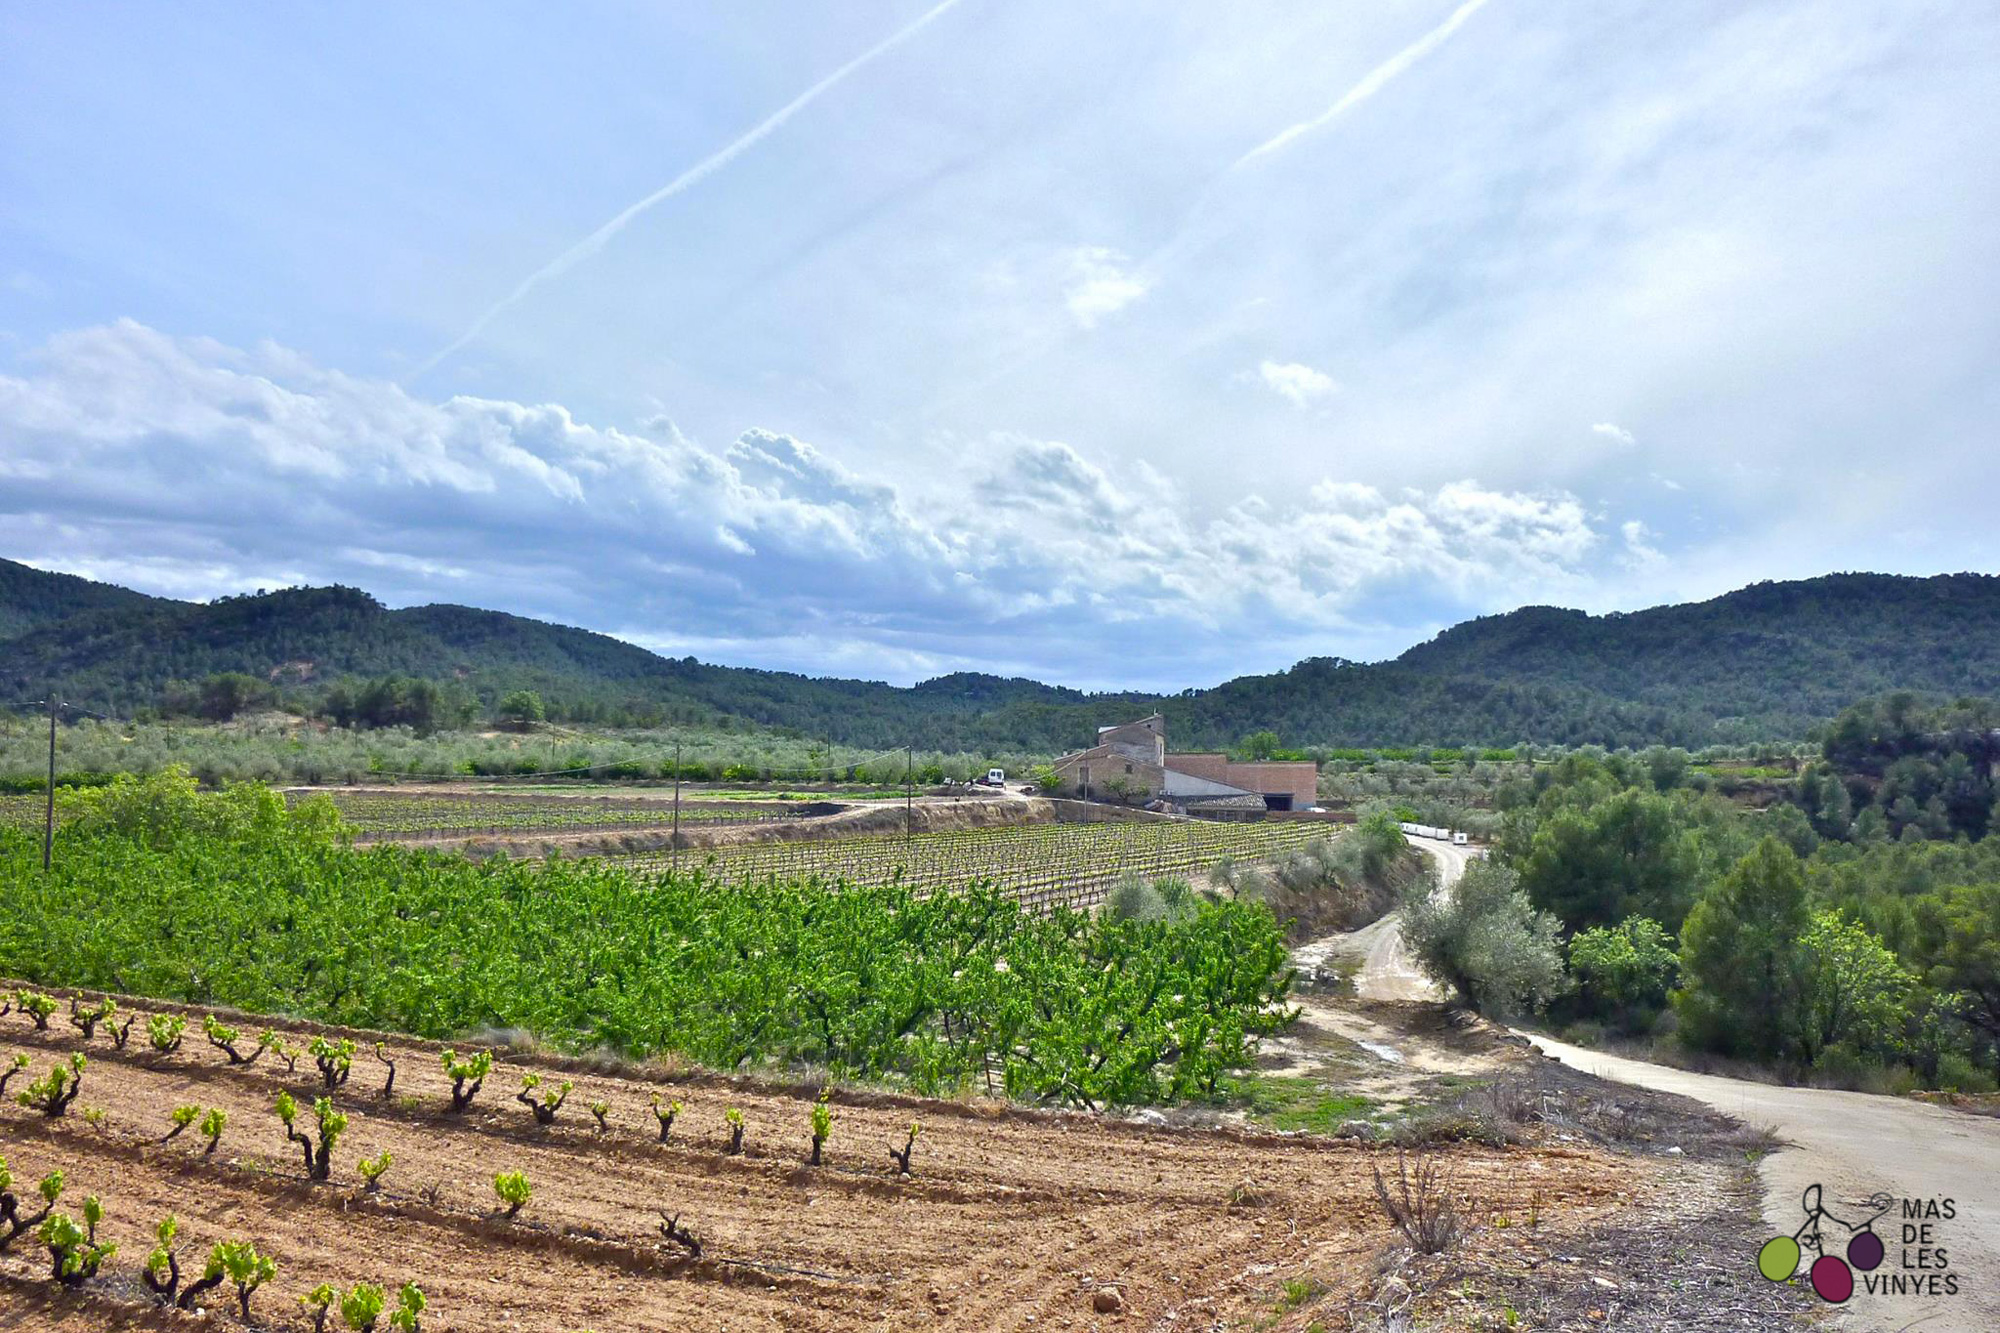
column 1130, row 762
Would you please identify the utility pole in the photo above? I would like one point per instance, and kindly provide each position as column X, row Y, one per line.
column 675, row 842
column 49, row 816
column 909, row 793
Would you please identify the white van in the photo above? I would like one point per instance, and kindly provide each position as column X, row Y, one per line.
column 1458, row 840
column 996, row 777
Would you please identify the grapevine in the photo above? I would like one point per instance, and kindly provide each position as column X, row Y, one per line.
column 466, row 1076
column 85, row 1020
column 734, row 1119
column 373, row 1169
column 162, row 1273
column 331, row 1125
column 546, row 1106
column 164, row 1032
column 513, row 1189
column 75, row 1254
column 36, row 1006
column 822, row 1126
column 53, row 1092
column 902, row 1154
column 50, row 1188
column 334, row 1058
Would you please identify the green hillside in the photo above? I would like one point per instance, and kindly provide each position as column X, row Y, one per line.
column 1769, row 661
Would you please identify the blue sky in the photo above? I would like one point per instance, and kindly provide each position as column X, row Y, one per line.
column 1113, row 344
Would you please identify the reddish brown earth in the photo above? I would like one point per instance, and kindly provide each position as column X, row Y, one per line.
column 1011, row 1220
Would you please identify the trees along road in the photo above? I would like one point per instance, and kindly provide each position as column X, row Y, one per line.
column 1854, row 1144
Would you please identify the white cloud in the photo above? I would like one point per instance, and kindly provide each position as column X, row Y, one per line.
column 1100, row 284
column 1612, row 431
column 1640, row 554
column 198, row 468
column 1301, row 385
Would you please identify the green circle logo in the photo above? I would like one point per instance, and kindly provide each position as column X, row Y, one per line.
column 1779, row 1258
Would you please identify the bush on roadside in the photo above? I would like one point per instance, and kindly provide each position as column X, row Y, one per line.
column 1483, row 939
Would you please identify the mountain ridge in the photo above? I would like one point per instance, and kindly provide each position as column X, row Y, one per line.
column 1765, row 661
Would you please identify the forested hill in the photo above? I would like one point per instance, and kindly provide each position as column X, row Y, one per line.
column 29, row 597
column 1768, row 661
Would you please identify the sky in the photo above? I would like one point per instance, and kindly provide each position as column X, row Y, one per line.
column 1118, row 345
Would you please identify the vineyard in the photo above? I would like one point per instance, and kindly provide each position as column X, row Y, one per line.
column 641, row 1201
column 246, row 904
column 1038, row 865
column 379, row 815
column 253, row 1142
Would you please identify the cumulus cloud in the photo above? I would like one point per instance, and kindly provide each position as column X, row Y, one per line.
column 1300, row 385
column 1612, row 431
column 188, row 467
column 1101, row 283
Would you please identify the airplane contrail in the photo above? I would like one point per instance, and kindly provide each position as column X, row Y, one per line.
column 714, row 162
column 1374, row 82
column 1153, row 267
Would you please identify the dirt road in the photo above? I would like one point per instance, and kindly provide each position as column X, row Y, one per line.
column 1853, row 1144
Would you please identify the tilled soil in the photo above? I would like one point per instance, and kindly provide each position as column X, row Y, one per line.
column 1011, row 1219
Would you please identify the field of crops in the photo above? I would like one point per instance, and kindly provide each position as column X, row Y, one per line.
column 507, row 1214
column 1035, row 864
column 247, row 905
column 20, row 811
column 381, row 815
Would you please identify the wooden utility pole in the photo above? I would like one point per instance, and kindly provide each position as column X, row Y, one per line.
column 909, row 793
column 49, row 815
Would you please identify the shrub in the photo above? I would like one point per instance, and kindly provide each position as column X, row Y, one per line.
column 1133, row 898
column 1485, row 940
column 19, row 1063
column 599, row 1110
column 665, row 1112
column 180, row 1118
column 1624, row 972
column 513, row 1189
column 1420, row 1204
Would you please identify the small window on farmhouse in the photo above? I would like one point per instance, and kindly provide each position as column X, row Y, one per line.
column 1128, row 768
